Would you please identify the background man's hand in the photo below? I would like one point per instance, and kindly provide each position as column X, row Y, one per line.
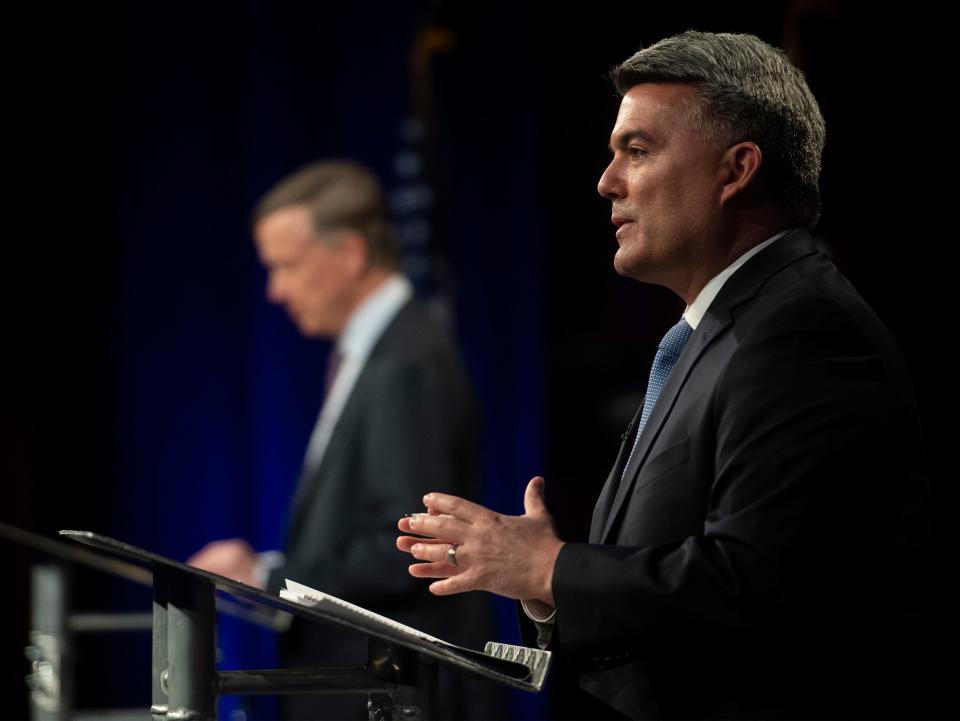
column 513, row 556
column 233, row 558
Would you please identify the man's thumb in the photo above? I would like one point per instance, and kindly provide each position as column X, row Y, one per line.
column 533, row 503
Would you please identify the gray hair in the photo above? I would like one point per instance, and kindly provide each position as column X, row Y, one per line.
column 340, row 195
column 747, row 91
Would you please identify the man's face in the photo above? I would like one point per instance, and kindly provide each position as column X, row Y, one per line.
column 664, row 183
column 312, row 279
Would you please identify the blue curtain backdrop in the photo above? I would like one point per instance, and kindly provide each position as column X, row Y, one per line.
column 214, row 391
column 158, row 398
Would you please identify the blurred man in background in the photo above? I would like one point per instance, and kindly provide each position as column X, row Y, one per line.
column 399, row 418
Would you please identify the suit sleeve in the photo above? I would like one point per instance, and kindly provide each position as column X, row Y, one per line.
column 410, row 442
column 805, row 430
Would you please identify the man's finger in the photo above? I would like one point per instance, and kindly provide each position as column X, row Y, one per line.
column 446, row 527
column 436, row 552
column 455, row 506
column 433, row 570
column 404, row 543
column 454, row 584
column 404, row 525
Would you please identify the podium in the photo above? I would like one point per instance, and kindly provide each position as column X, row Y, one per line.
column 399, row 677
column 55, row 624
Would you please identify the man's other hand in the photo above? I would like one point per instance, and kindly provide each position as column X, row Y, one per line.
column 232, row 558
column 513, row 556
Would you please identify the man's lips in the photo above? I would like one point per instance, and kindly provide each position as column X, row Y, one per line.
column 621, row 223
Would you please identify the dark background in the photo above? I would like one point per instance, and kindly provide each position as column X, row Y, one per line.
column 154, row 396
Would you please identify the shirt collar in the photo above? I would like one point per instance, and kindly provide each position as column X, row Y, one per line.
column 371, row 317
column 698, row 308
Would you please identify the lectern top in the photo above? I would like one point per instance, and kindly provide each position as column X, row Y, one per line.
column 527, row 675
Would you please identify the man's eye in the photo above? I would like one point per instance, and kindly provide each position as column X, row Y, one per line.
column 636, row 152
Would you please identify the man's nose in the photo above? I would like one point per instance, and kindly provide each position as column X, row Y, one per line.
column 611, row 183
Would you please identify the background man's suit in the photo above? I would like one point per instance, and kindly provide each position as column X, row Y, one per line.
column 410, row 425
column 755, row 559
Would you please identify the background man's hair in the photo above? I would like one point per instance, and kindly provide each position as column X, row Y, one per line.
column 747, row 90
column 340, row 195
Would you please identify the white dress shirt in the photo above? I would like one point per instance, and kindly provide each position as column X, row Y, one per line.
column 695, row 311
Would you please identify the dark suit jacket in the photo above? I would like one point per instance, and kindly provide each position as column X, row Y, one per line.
column 761, row 556
column 410, row 426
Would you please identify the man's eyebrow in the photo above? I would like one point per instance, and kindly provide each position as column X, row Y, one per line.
column 624, row 139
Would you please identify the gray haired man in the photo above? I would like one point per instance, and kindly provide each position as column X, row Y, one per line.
column 754, row 551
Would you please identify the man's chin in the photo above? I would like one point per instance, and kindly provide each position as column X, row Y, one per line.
column 303, row 328
column 642, row 270
column 311, row 332
column 624, row 265
column 308, row 330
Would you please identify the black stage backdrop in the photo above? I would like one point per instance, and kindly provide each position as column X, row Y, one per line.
column 155, row 396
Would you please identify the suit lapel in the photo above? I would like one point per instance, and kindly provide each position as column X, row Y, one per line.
column 601, row 510
column 311, row 475
column 742, row 285
column 700, row 340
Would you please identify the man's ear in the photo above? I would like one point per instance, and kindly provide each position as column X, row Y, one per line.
column 354, row 253
column 740, row 166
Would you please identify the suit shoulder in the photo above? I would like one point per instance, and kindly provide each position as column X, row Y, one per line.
column 809, row 315
column 419, row 338
column 810, row 295
column 417, row 348
column 414, row 332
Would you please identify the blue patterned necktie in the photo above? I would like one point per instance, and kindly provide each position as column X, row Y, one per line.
column 670, row 348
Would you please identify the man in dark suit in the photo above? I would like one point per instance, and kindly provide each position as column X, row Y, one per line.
column 398, row 419
column 756, row 550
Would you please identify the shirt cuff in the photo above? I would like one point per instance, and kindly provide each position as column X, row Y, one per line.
column 264, row 564
column 539, row 611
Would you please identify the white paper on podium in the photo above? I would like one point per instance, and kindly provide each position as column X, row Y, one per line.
column 306, row 596
column 536, row 660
